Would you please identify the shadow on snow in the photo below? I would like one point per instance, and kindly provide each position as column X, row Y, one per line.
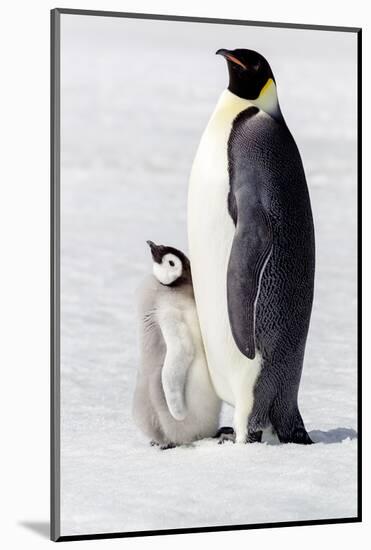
column 333, row 436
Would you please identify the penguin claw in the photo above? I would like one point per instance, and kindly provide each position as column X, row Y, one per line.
column 163, row 446
column 167, row 446
column 227, row 437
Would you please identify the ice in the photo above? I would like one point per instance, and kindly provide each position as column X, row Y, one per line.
column 135, row 99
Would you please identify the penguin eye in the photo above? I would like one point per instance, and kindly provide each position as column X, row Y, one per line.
column 171, row 263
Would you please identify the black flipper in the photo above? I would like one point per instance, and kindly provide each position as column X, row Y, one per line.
column 250, row 251
column 253, row 239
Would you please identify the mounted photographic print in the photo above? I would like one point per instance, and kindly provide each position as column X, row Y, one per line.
column 205, row 274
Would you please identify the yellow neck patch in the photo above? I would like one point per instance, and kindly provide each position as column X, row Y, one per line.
column 265, row 88
column 267, row 100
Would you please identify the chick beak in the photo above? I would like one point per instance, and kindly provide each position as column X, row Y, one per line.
column 155, row 251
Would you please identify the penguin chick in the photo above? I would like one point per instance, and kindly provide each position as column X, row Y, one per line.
column 174, row 400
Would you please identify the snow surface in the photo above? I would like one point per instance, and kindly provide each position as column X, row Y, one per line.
column 135, row 99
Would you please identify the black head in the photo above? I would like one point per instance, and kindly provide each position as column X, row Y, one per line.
column 249, row 72
column 170, row 266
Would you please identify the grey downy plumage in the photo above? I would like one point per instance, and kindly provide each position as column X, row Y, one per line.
column 174, row 401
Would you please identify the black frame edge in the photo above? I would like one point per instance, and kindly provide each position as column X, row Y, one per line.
column 359, row 271
column 213, row 20
column 130, row 534
column 54, row 272
column 55, row 277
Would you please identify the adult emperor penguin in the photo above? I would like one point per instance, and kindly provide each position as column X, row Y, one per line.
column 252, row 254
column 174, row 402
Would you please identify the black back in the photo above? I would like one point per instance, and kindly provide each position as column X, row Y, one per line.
column 271, row 266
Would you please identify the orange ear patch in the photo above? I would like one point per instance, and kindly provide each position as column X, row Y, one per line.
column 235, row 60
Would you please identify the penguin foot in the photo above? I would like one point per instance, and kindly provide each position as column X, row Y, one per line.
column 289, row 428
column 227, row 437
column 166, row 446
column 163, row 446
column 301, row 437
column 254, row 437
column 228, row 430
column 225, row 433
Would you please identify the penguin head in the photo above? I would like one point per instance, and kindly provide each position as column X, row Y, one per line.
column 170, row 266
column 251, row 78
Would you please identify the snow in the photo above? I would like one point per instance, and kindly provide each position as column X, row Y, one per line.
column 135, row 99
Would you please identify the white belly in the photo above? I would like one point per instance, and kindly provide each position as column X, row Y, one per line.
column 210, row 233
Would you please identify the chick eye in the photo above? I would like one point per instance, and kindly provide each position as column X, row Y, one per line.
column 171, row 263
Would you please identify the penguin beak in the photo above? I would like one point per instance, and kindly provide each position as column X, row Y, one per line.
column 230, row 57
column 155, row 251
